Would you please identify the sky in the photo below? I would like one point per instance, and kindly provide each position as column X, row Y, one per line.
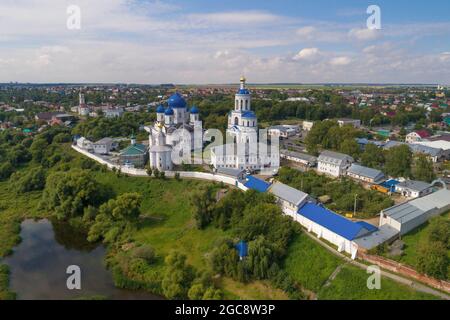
column 211, row 41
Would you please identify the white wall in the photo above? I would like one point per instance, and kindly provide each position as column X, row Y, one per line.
column 170, row 174
column 341, row 243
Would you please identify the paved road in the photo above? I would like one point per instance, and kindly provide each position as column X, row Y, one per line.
column 413, row 284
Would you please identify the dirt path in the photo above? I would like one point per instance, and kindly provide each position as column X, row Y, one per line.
column 413, row 284
column 334, row 274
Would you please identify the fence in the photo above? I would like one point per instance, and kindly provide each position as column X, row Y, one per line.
column 406, row 271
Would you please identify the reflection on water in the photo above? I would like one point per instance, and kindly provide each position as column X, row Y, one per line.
column 38, row 265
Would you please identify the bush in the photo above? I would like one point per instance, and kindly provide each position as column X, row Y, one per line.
column 144, row 252
column 178, row 277
column 31, row 181
column 6, row 170
column 432, row 259
column 62, row 138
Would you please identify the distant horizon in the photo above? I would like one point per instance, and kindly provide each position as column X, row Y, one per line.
column 224, row 84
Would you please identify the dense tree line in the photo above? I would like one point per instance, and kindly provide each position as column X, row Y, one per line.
column 100, row 127
column 329, row 135
column 342, row 192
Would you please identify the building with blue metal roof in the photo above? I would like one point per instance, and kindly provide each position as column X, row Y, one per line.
column 333, row 227
column 256, row 184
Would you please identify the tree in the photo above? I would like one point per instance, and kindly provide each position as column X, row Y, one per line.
column 30, row 181
column 439, row 230
column 18, row 155
column 372, row 156
column 62, row 138
column 38, row 148
column 149, row 171
column 432, row 259
column 178, row 276
column 116, row 216
column 68, row 193
column 260, row 256
column 212, row 294
column 196, row 292
column 203, row 202
column 350, row 147
column 398, row 161
column 6, row 170
column 423, row 169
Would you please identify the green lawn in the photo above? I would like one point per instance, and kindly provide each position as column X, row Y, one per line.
column 351, row 284
column 309, row 263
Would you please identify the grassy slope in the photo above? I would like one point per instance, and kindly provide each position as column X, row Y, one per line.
column 351, row 284
column 309, row 263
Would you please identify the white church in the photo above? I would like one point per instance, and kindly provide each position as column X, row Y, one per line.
column 244, row 149
column 174, row 125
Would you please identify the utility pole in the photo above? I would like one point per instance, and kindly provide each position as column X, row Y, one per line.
column 354, row 207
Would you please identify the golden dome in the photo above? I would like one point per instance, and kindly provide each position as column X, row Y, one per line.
column 242, row 79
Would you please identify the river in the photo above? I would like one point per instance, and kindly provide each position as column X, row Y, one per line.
column 39, row 263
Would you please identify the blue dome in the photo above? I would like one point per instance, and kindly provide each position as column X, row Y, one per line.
column 243, row 91
column 176, row 101
column 160, row 109
column 194, row 110
column 169, row 112
column 248, row 114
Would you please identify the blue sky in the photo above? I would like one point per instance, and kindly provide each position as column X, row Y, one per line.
column 205, row 41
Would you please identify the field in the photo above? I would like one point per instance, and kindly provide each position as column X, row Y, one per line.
column 351, row 284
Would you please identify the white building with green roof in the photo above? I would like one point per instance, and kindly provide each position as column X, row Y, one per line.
column 135, row 155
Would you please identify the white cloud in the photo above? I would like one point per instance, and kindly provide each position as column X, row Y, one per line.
column 307, row 54
column 340, row 61
column 307, row 32
column 364, row 34
column 234, row 18
column 156, row 42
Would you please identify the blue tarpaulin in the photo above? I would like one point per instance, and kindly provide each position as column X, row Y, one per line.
column 242, row 248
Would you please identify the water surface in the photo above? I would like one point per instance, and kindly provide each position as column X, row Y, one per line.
column 39, row 263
